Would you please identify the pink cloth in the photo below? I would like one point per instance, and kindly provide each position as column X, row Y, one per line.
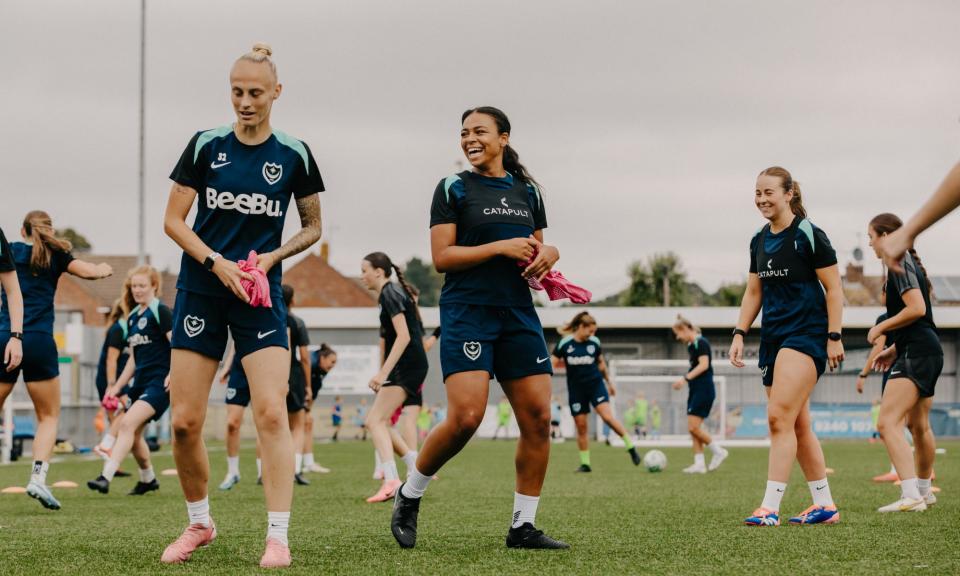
column 557, row 286
column 110, row 403
column 257, row 289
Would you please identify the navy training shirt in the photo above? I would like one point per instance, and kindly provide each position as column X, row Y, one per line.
column 582, row 359
column 487, row 210
column 393, row 301
column 792, row 307
column 700, row 347
column 243, row 196
column 6, row 257
column 918, row 338
column 37, row 289
column 147, row 335
column 299, row 336
column 116, row 338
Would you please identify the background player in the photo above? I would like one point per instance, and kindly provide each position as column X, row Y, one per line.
column 795, row 280
column 404, row 367
column 322, row 361
column 588, row 383
column 13, row 351
column 39, row 260
column 149, row 325
column 299, row 394
column 916, row 357
column 702, row 394
column 245, row 175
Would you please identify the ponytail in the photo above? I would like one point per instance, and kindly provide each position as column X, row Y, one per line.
column 411, row 291
column 39, row 228
column 789, row 185
column 116, row 312
column 885, row 224
column 325, row 351
column 383, row 262
column 511, row 160
column 682, row 322
column 581, row 319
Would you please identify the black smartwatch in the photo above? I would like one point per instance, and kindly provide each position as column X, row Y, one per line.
column 209, row 260
column 17, row 335
column 739, row 332
column 835, row 336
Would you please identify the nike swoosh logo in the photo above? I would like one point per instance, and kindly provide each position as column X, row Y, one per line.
column 541, row 361
column 820, row 487
column 214, row 165
column 262, row 335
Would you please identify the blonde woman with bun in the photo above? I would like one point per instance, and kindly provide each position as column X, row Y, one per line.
column 241, row 178
column 699, row 377
column 39, row 261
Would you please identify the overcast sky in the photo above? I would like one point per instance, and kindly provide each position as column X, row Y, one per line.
column 646, row 122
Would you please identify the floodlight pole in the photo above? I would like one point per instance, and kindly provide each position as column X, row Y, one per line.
column 141, row 193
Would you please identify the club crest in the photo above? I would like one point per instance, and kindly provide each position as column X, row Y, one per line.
column 193, row 325
column 272, row 172
column 472, row 350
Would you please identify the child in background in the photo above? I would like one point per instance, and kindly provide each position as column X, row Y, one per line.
column 640, row 426
column 337, row 417
column 655, row 419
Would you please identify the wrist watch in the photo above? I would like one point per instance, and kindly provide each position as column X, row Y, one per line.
column 739, row 332
column 835, row 336
column 209, row 260
column 17, row 335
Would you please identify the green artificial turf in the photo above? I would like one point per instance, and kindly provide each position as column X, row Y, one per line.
column 618, row 519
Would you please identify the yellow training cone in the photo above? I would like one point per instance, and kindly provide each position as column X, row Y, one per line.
column 13, row 490
column 64, row 484
column 169, row 472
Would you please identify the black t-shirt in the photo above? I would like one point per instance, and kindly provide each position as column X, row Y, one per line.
column 6, row 258
column 299, row 336
column 393, row 301
column 37, row 287
column 696, row 349
column 920, row 337
column 487, row 210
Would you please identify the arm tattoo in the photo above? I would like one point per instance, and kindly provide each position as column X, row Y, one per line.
column 309, row 209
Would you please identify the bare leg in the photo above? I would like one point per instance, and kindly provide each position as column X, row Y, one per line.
column 467, row 403
column 583, row 442
column 191, row 376
column 793, row 380
column 530, row 399
column 46, row 402
column 899, row 398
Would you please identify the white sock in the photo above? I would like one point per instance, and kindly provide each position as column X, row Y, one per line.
column 147, row 475
column 259, row 468
column 910, row 489
column 277, row 525
column 109, row 469
column 39, row 474
column 715, row 448
column 773, row 495
column 108, row 441
column 820, row 490
column 390, row 470
column 233, row 465
column 308, row 460
column 416, row 484
column 297, row 463
column 924, row 485
column 698, row 459
column 410, row 460
column 524, row 509
column 199, row 512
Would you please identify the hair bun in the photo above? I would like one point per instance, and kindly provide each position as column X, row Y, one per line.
column 262, row 47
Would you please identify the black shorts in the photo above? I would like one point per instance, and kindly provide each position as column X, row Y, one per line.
column 923, row 371
column 582, row 396
column 153, row 393
column 415, row 399
column 410, row 378
column 297, row 395
column 40, row 358
column 700, row 402
column 813, row 346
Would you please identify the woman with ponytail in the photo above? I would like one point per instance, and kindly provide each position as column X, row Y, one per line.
column 40, row 260
column 794, row 279
column 149, row 325
column 404, row 366
column 699, row 377
column 483, row 223
column 915, row 360
column 588, row 383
